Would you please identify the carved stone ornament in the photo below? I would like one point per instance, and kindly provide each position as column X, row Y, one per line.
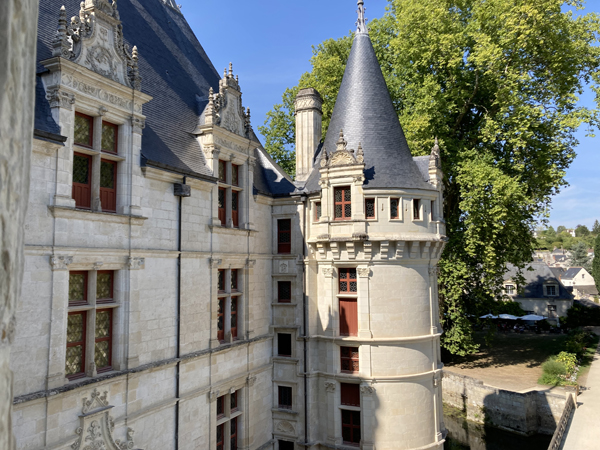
column 327, row 272
column 96, row 401
column 135, row 263
column 60, row 99
column 213, row 395
column 283, row 267
column 97, row 265
column 435, row 270
column 137, row 124
column 100, row 94
column 251, row 263
column 94, row 39
column 96, row 433
column 330, row 386
column 285, row 427
column 366, row 389
column 60, row 262
column 363, row 272
column 251, row 380
column 215, row 263
column 342, row 156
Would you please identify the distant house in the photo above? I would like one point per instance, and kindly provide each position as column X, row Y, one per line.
column 560, row 258
column 571, row 231
column 542, row 293
column 581, row 281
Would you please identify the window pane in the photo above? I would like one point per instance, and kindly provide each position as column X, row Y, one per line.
column 74, row 360
column 83, row 130
column 221, row 198
column 234, row 200
column 338, row 195
column 234, row 401
column 416, row 209
column 234, row 279
column 81, row 169
column 104, row 285
column 222, row 172
column 284, row 289
column 102, row 358
column 370, row 207
column 107, row 175
column 284, row 344
column 347, row 211
column 75, row 328
column 394, row 208
column 103, row 324
column 235, row 175
column 347, row 195
column 221, row 405
column 77, row 287
column 318, row 210
column 109, row 137
column 221, row 281
column 234, row 313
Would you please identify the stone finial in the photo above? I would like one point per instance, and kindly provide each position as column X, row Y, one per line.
column 225, row 72
column 60, row 44
column 230, row 69
column 361, row 23
column 360, row 156
column 247, row 124
column 341, row 143
column 324, row 158
column 135, row 78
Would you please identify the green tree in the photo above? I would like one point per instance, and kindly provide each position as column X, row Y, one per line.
column 582, row 231
column 561, row 229
column 596, row 263
column 596, row 228
column 497, row 81
column 579, row 256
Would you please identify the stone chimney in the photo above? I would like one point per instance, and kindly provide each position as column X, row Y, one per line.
column 308, row 130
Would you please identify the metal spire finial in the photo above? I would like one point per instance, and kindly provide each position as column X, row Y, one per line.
column 361, row 23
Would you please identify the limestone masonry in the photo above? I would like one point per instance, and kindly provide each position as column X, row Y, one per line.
column 181, row 291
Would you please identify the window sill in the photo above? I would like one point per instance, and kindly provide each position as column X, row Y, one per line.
column 283, row 304
column 220, row 229
column 350, row 408
column 286, row 360
column 285, row 411
column 63, row 212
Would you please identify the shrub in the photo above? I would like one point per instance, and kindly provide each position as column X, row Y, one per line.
column 544, row 325
column 554, row 368
column 548, row 379
column 569, row 361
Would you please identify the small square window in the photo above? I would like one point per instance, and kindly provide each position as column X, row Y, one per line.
column 285, row 397
column 370, row 208
column 551, row 290
column 349, row 359
column 509, row 289
column 284, row 344
column 284, row 291
column 348, row 281
column 286, row 445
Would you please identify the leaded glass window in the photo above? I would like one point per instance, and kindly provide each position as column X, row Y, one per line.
column 102, row 354
column 107, row 174
column 234, row 405
column 317, row 211
column 235, row 174
column 342, row 203
column 234, row 317
column 110, row 133
column 416, row 209
column 221, row 280
column 222, row 171
column 348, row 280
column 221, row 320
column 284, row 291
column 370, row 208
column 84, row 130
column 75, row 360
column 284, row 236
column 349, row 359
column 81, row 169
column 104, row 287
column 234, row 280
column 77, row 288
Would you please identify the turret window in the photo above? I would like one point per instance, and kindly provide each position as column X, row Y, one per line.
column 348, row 281
column 416, row 209
column 342, row 203
column 370, row 208
column 394, row 208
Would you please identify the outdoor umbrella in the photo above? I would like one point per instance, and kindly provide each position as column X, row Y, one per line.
column 488, row 316
column 508, row 317
column 533, row 317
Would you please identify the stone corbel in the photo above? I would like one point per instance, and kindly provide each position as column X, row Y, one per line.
column 415, row 246
column 385, row 246
column 215, row 263
column 427, row 250
column 251, row 380
column 358, row 181
column 363, row 271
column 434, row 271
column 368, row 246
column 351, row 250
column 250, row 263
column 335, row 249
column 400, row 249
column 322, row 249
column 136, row 263
column 327, row 272
column 61, row 262
column 102, row 111
column 97, row 265
column 330, row 386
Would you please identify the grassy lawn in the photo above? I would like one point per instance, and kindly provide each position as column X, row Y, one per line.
column 586, row 362
column 511, row 361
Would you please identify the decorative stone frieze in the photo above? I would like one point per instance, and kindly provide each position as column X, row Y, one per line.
column 285, row 427
column 95, row 401
column 61, row 262
column 330, row 386
column 135, row 263
column 327, row 272
column 251, row 263
column 367, row 389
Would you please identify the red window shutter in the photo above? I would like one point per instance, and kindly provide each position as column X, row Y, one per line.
column 348, row 317
column 222, row 201
column 82, row 180
column 235, row 208
column 350, row 394
column 284, row 236
column 108, row 186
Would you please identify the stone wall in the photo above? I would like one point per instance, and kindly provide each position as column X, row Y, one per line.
column 18, row 32
column 526, row 413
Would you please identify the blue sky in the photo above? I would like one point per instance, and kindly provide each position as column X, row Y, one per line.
column 270, row 45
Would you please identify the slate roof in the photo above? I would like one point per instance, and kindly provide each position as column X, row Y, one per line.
column 571, row 273
column 175, row 71
column 44, row 127
column 558, row 272
column 270, row 179
column 535, row 278
column 365, row 112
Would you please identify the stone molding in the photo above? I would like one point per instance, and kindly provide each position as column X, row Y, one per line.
column 215, row 263
column 213, row 395
column 64, row 212
column 251, row 380
column 285, row 427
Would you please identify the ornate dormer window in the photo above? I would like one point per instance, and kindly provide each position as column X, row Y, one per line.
column 229, row 193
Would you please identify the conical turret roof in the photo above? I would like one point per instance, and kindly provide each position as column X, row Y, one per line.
column 364, row 111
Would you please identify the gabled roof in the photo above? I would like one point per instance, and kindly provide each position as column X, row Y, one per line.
column 536, row 276
column 571, row 273
column 269, row 178
column 365, row 112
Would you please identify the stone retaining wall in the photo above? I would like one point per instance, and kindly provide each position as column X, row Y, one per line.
column 525, row 413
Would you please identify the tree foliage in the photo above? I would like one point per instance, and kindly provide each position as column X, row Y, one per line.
column 497, row 81
column 596, row 263
column 596, row 228
column 579, row 256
